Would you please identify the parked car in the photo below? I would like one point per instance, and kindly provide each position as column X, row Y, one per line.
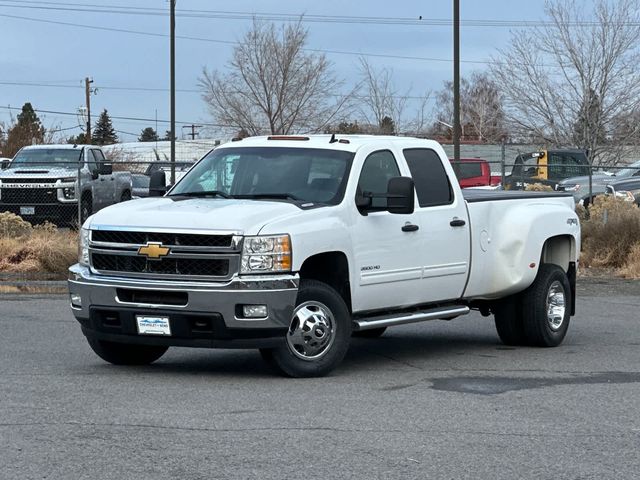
column 290, row 244
column 474, row 172
column 140, row 185
column 45, row 183
column 579, row 186
column 627, row 190
column 548, row 167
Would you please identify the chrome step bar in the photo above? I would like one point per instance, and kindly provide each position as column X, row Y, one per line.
column 441, row 313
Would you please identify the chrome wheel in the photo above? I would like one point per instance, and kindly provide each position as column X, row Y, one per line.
column 555, row 305
column 312, row 331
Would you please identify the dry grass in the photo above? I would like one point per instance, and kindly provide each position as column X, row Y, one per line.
column 611, row 237
column 538, row 187
column 27, row 249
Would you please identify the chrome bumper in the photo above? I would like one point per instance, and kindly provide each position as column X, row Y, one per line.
column 277, row 292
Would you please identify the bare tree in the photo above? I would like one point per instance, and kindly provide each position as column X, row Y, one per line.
column 272, row 85
column 575, row 79
column 381, row 104
column 481, row 110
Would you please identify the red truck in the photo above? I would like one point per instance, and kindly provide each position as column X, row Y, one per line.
column 474, row 172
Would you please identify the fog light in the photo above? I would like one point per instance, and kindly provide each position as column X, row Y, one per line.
column 76, row 300
column 254, row 311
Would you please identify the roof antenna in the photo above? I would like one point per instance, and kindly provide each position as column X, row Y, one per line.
column 333, row 138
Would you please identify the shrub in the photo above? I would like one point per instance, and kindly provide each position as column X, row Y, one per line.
column 538, row 187
column 610, row 233
column 12, row 226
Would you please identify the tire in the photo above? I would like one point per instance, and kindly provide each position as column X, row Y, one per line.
column 545, row 304
column 373, row 333
column 318, row 336
column 126, row 354
column 86, row 208
column 507, row 315
column 126, row 195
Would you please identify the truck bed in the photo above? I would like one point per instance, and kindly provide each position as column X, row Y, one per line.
column 478, row 195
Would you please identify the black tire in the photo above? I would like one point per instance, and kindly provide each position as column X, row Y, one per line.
column 373, row 333
column 507, row 315
column 289, row 361
column 126, row 354
column 540, row 330
column 86, row 208
column 126, row 195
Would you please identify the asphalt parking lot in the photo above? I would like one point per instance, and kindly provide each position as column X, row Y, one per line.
column 432, row 400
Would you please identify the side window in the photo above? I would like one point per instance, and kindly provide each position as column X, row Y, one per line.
column 99, row 156
column 90, row 160
column 431, row 180
column 378, row 168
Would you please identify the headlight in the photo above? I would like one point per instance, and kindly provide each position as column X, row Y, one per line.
column 571, row 188
column 266, row 254
column 83, row 248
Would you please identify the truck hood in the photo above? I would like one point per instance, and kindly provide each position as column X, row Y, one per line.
column 35, row 171
column 242, row 216
column 597, row 179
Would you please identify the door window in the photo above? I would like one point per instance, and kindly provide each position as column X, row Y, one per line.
column 378, row 168
column 430, row 177
column 91, row 161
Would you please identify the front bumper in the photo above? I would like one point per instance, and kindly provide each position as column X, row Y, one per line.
column 200, row 314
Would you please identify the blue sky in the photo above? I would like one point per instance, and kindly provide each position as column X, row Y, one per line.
column 46, row 53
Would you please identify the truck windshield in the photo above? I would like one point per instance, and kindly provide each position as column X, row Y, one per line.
column 299, row 174
column 47, row 156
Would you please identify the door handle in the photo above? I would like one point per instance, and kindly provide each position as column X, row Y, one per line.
column 409, row 227
column 456, row 222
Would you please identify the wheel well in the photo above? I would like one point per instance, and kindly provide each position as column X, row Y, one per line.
column 559, row 251
column 86, row 195
column 331, row 268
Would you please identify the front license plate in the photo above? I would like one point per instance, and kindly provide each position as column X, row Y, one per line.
column 153, row 325
column 27, row 210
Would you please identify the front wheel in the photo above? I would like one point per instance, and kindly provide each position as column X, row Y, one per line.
column 545, row 305
column 126, row 354
column 318, row 335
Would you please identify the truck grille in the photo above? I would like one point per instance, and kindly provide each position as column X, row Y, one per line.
column 190, row 256
column 195, row 240
column 29, row 196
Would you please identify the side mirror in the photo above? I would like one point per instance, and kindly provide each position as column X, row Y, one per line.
column 157, row 184
column 105, row 168
column 5, row 163
column 400, row 195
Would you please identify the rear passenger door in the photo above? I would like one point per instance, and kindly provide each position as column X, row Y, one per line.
column 445, row 239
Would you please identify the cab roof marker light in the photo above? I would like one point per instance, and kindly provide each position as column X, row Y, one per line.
column 287, row 137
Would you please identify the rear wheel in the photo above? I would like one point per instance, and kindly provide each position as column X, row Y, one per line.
column 318, row 335
column 126, row 354
column 545, row 307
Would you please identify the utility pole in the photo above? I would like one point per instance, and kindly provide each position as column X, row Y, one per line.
column 172, row 26
column 193, row 128
column 87, row 91
column 456, row 83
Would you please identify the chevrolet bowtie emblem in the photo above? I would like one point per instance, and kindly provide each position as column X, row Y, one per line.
column 153, row 251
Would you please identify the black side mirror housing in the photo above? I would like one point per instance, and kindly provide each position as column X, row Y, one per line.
column 5, row 164
column 157, row 184
column 400, row 195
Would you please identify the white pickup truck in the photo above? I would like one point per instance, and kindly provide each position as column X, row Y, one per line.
column 292, row 244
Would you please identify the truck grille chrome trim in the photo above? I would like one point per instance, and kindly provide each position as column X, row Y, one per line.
column 198, row 255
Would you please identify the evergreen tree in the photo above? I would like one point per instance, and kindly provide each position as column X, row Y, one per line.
column 148, row 135
column 103, row 132
column 27, row 130
column 387, row 126
column 79, row 139
column 167, row 135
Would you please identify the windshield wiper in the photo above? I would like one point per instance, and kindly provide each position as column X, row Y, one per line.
column 202, row 193
column 284, row 196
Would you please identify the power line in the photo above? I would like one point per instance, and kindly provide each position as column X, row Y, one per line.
column 228, row 42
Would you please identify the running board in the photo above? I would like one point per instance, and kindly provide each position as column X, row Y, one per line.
column 442, row 313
